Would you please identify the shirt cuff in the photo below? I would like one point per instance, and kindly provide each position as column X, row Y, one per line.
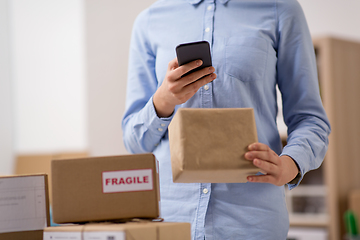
column 296, row 155
column 156, row 124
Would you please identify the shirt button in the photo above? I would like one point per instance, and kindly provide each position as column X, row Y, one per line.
column 160, row 129
column 205, row 190
column 206, row 87
column 163, row 125
column 207, row 29
column 209, row 8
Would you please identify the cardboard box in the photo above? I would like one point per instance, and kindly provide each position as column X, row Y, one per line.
column 66, row 232
column 40, row 163
column 208, row 145
column 121, row 231
column 24, row 207
column 105, row 188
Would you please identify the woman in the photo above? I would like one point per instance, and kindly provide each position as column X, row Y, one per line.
column 255, row 45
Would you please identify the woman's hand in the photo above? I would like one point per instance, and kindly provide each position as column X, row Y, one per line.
column 277, row 170
column 176, row 90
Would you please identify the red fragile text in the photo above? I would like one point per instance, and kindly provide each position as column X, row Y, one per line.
column 128, row 180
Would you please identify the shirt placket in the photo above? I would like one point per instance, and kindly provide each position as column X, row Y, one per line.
column 206, row 102
column 205, row 191
column 208, row 31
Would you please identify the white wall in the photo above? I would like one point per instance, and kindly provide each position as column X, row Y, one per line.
column 6, row 109
column 47, row 53
column 339, row 18
column 108, row 28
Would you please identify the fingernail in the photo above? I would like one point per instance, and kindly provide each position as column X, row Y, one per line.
column 211, row 69
column 249, row 179
column 199, row 62
column 213, row 76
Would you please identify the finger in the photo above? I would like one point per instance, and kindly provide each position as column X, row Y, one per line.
column 198, row 75
column 185, row 93
column 262, row 179
column 264, row 155
column 182, row 87
column 266, row 166
column 194, row 86
column 187, row 67
column 258, row 147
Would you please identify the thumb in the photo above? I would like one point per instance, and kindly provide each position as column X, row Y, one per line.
column 173, row 64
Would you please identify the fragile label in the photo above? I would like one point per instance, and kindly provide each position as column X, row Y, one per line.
column 127, row 181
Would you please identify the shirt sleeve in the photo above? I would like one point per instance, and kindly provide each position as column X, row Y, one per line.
column 142, row 128
column 304, row 115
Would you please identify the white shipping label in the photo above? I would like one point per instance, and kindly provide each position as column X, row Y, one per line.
column 104, row 235
column 127, row 181
column 22, row 204
column 62, row 236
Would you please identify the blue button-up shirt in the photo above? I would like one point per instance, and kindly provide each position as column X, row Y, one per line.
column 255, row 46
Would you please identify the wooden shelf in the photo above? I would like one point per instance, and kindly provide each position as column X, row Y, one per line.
column 309, row 220
column 339, row 80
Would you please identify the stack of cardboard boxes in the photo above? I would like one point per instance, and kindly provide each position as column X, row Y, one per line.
column 90, row 195
column 97, row 192
column 123, row 231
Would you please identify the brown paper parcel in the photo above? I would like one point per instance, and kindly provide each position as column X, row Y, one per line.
column 208, row 145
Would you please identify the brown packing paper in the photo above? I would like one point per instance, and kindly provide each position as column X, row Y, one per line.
column 79, row 194
column 208, row 145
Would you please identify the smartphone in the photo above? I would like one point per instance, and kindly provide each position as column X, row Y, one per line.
column 192, row 51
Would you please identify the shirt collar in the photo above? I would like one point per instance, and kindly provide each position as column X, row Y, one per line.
column 198, row 1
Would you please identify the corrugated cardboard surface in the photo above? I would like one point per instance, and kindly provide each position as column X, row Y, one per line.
column 173, row 231
column 72, row 232
column 208, row 145
column 25, row 235
column 35, row 234
column 40, row 163
column 134, row 231
column 66, row 228
column 78, row 195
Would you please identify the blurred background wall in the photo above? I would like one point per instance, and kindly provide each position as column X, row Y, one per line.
column 108, row 28
column 63, row 68
column 6, row 103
